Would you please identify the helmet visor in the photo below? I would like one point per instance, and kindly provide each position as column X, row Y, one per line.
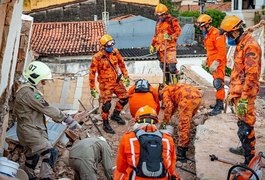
column 110, row 43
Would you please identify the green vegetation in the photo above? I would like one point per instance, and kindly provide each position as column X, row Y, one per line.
column 170, row 7
column 227, row 70
column 217, row 16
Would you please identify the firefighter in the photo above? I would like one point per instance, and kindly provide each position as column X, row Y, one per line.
column 146, row 153
column 30, row 108
column 106, row 63
column 86, row 154
column 244, row 82
column 185, row 99
column 167, row 31
column 141, row 94
column 215, row 45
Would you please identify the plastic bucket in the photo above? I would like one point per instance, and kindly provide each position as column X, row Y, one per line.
column 8, row 167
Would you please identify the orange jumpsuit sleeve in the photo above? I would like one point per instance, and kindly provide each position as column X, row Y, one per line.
column 122, row 164
column 121, row 65
column 169, row 106
column 220, row 43
column 252, row 63
column 92, row 72
column 154, row 37
column 131, row 90
column 177, row 29
column 172, row 168
column 156, row 98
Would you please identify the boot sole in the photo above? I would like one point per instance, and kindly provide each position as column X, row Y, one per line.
column 109, row 132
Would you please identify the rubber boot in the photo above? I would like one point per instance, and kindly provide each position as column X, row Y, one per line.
column 217, row 109
column 181, row 154
column 107, row 128
column 212, row 106
column 248, row 158
column 239, row 150
column 116, row 117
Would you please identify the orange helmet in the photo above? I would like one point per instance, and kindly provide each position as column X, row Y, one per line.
column 204, row 19
column 231, row 23
column 160, row 9
column 146, row 114
column 106, row 39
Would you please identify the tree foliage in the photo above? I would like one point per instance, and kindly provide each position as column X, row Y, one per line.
column 217, row 16
column 170, row 7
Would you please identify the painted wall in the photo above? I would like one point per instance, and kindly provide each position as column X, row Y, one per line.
column 38, row 4
column 11, row 45
column 149, row 2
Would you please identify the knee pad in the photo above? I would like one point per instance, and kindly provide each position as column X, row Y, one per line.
column 123, row 101
column 172, row 68
column 34, row 161
column 243, row 131
column 53, row 156
column 218, row 84
column 106, row 107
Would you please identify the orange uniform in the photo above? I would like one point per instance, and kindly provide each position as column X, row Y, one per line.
column 140, row 99
column 129, row 154
column 215, row 46
column 106, row 65
column 171, row 27
column 244, row 81
column 185, row 99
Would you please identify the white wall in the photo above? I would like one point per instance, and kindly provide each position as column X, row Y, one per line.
column 12, row 45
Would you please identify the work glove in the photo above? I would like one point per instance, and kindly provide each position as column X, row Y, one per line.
column 242, row 107
column 163, row 126
column 126, row 81
column 102, row 138
column 152, row 49
column 167, row 36
column 214, row 66
column 71, row 123
column 94, row 93
column 204, row 63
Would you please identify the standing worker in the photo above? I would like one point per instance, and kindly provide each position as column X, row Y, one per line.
column 185, row 99
column 167, row 31
column 244, row 82
column 106, row 63
column 215, row 46
column 86, row 154
column 141, row 94
column 146, row 153
column 30, row 108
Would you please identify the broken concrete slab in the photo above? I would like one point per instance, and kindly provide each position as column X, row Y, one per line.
column 216, row 136
column 55, row 132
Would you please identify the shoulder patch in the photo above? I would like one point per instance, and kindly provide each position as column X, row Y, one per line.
column 37, row 96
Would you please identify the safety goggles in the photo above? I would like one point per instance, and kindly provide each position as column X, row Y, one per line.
column 110, row 43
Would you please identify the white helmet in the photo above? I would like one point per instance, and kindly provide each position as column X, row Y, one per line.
column 37, row 71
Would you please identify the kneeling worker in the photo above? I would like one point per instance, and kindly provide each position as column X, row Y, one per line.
column 85, row 156
column 141, row 94
column 146, row 153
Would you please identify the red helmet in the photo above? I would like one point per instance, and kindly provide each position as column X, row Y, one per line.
column 146, row 114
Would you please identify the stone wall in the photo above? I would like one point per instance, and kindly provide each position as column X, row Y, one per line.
column 85, row 11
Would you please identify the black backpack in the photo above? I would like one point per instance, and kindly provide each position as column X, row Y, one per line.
column 142, row 86
column 151, row 162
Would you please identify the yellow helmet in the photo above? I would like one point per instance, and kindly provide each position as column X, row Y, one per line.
column 204, row 19
column 160, row 9
column 105, row 39
column 231, row 23
column 146, row 114
column 37, row 71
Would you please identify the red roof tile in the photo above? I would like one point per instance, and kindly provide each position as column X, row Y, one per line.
column 218, row 6
column 67, row 38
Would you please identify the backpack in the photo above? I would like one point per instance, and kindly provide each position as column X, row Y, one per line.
column 151, row 162
column 142, row 86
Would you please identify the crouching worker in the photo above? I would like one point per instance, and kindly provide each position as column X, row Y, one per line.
column 146, row 153
column 30, row 108
column 85, row 155
column 185, row 99
column 141, row 94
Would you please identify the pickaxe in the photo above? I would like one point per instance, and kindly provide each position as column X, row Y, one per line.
column 223, row 160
